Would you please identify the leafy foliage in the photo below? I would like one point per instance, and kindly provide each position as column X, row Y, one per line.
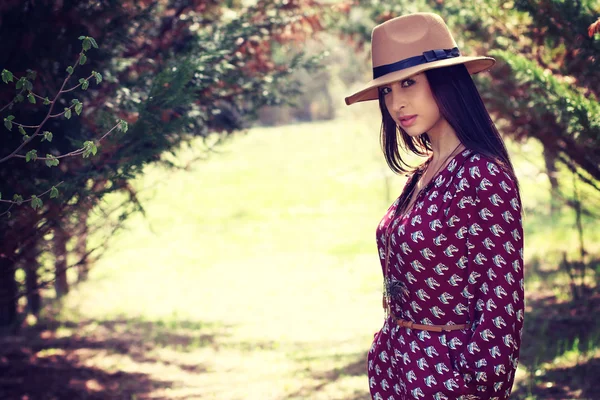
column 548, row 95
column 171, row 71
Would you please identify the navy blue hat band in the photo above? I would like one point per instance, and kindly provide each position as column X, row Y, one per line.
column 427, row 57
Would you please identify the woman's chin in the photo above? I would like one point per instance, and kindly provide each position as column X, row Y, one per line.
column 412, row 131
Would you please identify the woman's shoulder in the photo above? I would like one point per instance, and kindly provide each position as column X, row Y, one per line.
column 479, row 166
column 483, row 177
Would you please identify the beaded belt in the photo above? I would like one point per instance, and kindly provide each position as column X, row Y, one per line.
column 402, row 323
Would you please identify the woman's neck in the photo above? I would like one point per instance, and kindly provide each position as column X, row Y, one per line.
column 443, row 140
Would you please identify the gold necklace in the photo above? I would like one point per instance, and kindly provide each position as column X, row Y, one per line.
column 387, row 300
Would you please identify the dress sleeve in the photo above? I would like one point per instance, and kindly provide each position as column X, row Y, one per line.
column 495, row 262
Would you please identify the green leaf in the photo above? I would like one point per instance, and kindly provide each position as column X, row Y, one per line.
column 36, row 202
column 70, row 70
column 87, row 44
column 7, row 76
column 51, row 160
column 31, row 155
column 78, row 108
column 83, row 59
column 31, row 98
column 67, row 113
column 22, row 130
column 123, row 126
column 19, row 98
column 17, row 198
column 89, row 148
column 93, row 41
column 53, row 192
column 81, row 37
column 20, row 83
column 47, row 101
column 31, row 74
column 47, row 136
column 28, row 85
column 8, row 122
column 25, row 138
column 0, row 195
column 85, row 85
column 98, row 77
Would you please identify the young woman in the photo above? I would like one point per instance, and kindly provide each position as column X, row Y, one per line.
column 451, row 246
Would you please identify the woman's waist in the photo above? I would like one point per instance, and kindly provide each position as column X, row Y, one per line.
column 429, row 313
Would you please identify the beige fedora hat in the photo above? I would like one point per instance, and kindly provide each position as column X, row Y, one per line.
column 410, row 44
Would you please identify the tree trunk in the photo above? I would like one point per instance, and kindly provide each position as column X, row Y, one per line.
column 81, row 248
column 61, row 285
column 8, row 292
column 550, row 160
column 30, row 265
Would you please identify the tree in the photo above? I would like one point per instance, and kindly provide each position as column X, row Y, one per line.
column 174, row 70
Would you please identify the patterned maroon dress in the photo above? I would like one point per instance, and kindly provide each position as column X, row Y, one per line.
column 455, row 257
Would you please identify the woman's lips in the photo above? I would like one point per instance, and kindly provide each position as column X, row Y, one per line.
column 408, row 121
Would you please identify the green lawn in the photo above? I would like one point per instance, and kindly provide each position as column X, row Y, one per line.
column 255, row 275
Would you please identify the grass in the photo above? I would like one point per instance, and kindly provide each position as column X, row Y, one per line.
column 256, row 276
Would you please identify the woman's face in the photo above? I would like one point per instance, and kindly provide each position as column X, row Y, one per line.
column 411, row 104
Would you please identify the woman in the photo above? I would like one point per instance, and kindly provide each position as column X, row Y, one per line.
column 451, row 246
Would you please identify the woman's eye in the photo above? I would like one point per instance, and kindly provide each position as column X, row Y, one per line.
column 407, row 82
column 385, row 90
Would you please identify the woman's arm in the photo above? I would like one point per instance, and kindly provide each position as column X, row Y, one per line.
column 495, row 262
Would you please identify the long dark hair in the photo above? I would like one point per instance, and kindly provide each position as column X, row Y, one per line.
column 461, row 105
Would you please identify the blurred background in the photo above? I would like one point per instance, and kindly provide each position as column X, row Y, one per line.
column 188, row 209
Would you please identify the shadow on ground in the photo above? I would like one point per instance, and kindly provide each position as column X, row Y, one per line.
column 48, row 361
column 578, row 382
column 356, row 367
column 567, row 330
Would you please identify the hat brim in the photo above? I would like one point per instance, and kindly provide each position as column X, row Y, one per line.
column 370, row 92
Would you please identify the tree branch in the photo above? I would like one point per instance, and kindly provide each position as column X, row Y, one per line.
column 75, row 87
column 12, row 202
column 48, row 115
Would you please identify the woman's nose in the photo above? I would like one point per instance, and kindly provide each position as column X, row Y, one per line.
column 398, row 100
